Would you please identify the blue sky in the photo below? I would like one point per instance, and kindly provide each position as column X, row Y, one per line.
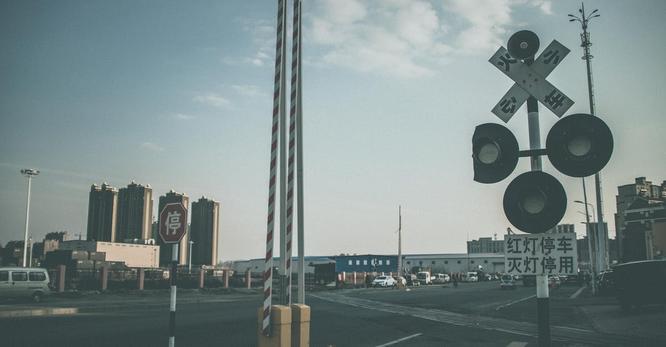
column 178, row 95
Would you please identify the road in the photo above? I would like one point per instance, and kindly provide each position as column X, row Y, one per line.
column 476, row 314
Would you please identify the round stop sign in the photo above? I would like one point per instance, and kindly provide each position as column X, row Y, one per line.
column 172, row 223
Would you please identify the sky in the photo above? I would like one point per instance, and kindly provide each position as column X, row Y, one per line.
column 178, row 95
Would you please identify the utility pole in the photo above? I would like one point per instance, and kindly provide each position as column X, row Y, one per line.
column 600, row 231
column 399, row 240
column 28, row 173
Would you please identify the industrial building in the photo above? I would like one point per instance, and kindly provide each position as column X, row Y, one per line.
column 135, row 212
column 485, row 245
column 633, row 240
column 204, row 231
column 165, row 249
column 436, row 263
column 134, row 255
column 102, row 210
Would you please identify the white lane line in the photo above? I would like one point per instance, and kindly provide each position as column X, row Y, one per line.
column 400, row 340
column 514, row 302
column 517, row 344
column 577, row 293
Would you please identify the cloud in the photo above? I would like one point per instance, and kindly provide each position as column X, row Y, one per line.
column 212, row 99
column 183, row 116
column 247, row 90
column 395, row 37
column 151, row 146
column 408, row 38
column 262, row 33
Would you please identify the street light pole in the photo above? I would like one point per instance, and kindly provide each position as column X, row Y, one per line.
column 189, row 262
column 584, row 20
column 590, row 241
column 28, row 173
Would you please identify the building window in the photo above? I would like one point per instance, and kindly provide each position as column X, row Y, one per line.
column 388, row 262
column 409, row 262
column 485, row 262
column 365, row 262
column 350, row 262
column 472, row 261
column 358, row 262
column 433, row 262
column 381, row 262
column 458, row 261
column 446, row 261
column 420, row 262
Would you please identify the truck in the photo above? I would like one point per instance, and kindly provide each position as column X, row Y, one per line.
column 424, row 277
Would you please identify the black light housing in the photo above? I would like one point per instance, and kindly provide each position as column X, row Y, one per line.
column 495, row 152
column 535, row 202
column 523, row 44
column 579, row 145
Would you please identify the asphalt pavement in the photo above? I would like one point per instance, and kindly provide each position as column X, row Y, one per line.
column 474, row 314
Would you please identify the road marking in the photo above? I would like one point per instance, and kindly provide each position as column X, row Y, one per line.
column 40, row 312
column 400, row 340
column 514, row 302
column 575, row 295
column 517, row 344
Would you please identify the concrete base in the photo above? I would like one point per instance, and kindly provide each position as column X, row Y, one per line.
column 280, row 327
column 300, row 325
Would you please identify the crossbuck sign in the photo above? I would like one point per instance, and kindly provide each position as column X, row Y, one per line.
column 541, row 254
column 530, row 80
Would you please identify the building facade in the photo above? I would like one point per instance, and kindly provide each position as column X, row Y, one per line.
column 133, row 255
column 632, row 240
column 204, row 231
column 102, row 213
column 135, row 212
column 645, row 230
column 485, row 245
column 166, row 249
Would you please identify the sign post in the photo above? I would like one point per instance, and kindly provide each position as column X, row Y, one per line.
column 173, row 219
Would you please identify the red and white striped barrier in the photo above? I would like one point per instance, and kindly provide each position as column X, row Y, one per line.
column 277, row 93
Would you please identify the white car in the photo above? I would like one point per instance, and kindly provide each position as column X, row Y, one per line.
column 17, row 282
column 440, row 278
column 384, row 281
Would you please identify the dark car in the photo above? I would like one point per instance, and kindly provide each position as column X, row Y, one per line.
column 640, row 283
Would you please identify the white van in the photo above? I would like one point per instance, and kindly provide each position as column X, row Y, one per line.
column 20, row 282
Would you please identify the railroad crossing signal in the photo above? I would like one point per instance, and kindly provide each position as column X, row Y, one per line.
column 172, row 223
column 578, row 145
column 530, row 80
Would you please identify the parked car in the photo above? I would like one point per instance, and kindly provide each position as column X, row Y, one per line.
column 18, row 282
column 640, row 283
column 384, row 281
column 554, row 281
column 424, row 277
column 399, row 280
column 440, row 278
column 507, row 282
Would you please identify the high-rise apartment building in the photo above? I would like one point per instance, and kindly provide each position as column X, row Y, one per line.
column 165, row 249
column 631, row 237
column 135, row 212
column 102, row 210
column 204, row 231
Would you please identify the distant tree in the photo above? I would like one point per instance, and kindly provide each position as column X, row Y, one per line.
column 56, row 235
column 11, row 253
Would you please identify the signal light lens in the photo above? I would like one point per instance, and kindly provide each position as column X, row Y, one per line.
column 579, row 145
column 495, row 152
column 535, row 202
column 523, row 44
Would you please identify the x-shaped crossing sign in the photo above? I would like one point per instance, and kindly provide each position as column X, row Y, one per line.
column 531, row 81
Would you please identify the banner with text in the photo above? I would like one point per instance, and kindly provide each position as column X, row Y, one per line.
column 537, row 254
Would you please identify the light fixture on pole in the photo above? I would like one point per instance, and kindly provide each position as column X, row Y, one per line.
column 28, row 173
